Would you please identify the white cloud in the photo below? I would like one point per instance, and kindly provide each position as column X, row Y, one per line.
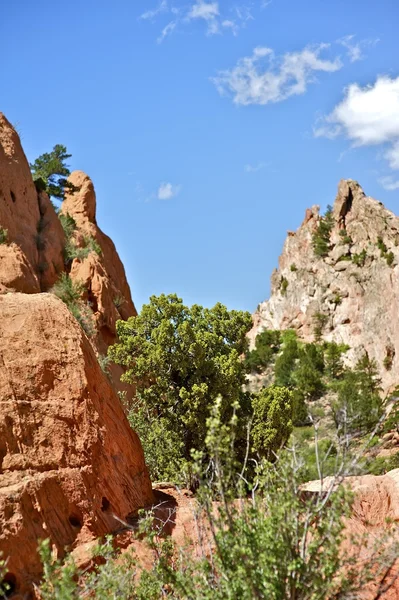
column 368, row 116
column 355, row 48
column 209, row 12
column 255, row 168
column 167, row 30
column 264, row 78
column 166, row 191
column 389, row 183
column 150, row 14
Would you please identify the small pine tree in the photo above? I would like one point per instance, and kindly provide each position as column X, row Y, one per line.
column 50, row 172
column 321, row 237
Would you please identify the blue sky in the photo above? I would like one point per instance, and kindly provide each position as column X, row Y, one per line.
column 207, row 127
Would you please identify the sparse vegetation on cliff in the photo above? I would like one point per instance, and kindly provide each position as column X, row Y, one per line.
column 71, row 292
column 321, row 236
column 3, row 235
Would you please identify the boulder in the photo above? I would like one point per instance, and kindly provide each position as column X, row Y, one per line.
column 71, row 468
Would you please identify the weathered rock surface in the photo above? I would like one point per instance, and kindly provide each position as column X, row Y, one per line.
column 375, row 514
column 32, row 258
column 69, row 463
column 359, row 302
column 103, row 275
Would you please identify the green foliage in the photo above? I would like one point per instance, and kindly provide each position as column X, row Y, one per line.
column 379, row 465
column 359, row 407
column 319, row 322
column 280, row 543
column 68, row 224
column 3, row 235
column 345, row 238
column 337, row 299
column 321, row 237
column 334, row 366
column 293, row 268
column 283, row 285
column 104, row 361
column 267, row 344
column 73, row 251
column 50, row 172
column 119, row 301
column 70, row 292
column 163, row 447
column 389, row 256
column 272, row 420
column 307, row 376
column 286, row 361
column 381, row 246
column 180, row 359
column 360, row 259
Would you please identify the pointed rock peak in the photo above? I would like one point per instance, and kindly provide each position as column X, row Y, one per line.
column 81, row 202
column 348, row 192
column 9, row 138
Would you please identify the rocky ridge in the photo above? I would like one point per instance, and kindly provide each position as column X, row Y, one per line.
column 353, row 292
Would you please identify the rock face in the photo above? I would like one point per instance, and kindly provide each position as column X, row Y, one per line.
column 102, row 274
column 34, row 236
column 355, row 288
column 69, row 461
column 70, row 465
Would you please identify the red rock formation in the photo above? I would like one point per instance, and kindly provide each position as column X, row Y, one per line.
column 103, row 275
column 32, row 258
column 69, row 463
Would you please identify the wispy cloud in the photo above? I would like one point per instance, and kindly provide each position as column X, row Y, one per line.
column 167, row 190
column 206, row 11
column 265, row 78
column 389, row 183
column 368, row 116
column 355, row 48
column 167, row 30
column 151, row 14
column 255, row 168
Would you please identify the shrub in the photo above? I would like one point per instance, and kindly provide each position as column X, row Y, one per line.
column 319, row 322
column 321, row 237
column 359, row 406
column 3, row 235
column 284, row 285
column 286, row 361
column 293, row 267
column 360, row 259
column 267, row 344
column 390, row 257
column 272, row 420
column 70, row 292
column 119, row 301
column 279, row 543
column 381, row 246
column 68, row 224
column 345, row 238
column 104, row 361
column 179, row 359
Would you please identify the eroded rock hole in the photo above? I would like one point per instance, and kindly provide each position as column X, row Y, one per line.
column 12, row 196
column 75, row 521
column 105, row 504
column 8, row 586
